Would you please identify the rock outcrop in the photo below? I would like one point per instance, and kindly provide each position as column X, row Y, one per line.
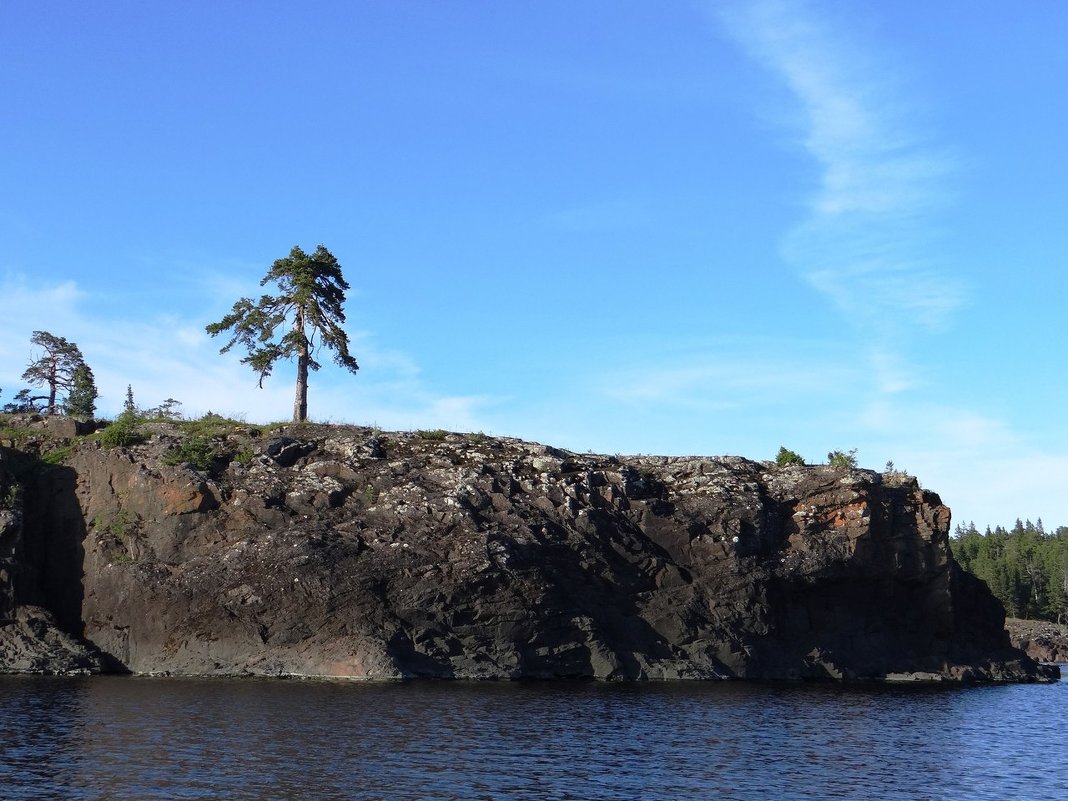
column 1041, row 640
column 342, row 551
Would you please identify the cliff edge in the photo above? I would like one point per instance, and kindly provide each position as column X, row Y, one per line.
column 344, row 551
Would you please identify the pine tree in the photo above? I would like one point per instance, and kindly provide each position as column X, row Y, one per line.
column 53, row 367
column 309, row 300
column 81, row 402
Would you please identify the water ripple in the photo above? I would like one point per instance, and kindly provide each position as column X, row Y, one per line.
column 146, row 739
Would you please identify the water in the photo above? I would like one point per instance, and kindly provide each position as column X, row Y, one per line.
column 136, row 738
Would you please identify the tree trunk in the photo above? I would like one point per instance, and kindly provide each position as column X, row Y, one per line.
column 300, row 401
column 52, row 381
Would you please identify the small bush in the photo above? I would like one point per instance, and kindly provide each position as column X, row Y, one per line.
column 842, row 460
column 209, row 424
column 788, row 457
column 370, row 495
column 196, row 451
column 437, row 434
column 121, row 527
column 896, row 476
column 125, row 431
column 14, row 434
column 245, row 456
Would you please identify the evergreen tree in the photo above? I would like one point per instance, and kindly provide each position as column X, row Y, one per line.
column 81, row 402
column 309, row 300
column 1026, row 568
column 168, row 410
column 785, row 457
column 53, row 367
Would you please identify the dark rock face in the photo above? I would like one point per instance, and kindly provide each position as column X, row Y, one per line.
column 345, row 552
column 31, row 638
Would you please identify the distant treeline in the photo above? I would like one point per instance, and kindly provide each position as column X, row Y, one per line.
column 1026, row 567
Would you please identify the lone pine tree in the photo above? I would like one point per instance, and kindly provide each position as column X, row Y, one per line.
column 307, row 307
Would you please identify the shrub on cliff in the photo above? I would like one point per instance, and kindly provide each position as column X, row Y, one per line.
column 123, row 432
column 788, row 457
column 196, row 451
column 842, row 460
column 437, row 434
column 211, row 424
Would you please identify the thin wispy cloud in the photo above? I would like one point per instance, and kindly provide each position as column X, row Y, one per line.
column 868, row 226
column 730, row 374
column 715, row 382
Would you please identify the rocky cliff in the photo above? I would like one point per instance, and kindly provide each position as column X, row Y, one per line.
column 342, row 551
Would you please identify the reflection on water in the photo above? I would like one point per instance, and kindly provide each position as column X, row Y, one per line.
column 130, row 738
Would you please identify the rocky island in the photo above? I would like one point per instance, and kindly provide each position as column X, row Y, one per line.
column 222, row 548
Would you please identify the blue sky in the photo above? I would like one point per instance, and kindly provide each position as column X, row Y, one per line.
column 626, row 227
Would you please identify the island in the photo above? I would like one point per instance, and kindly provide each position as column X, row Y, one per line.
column 220, row 548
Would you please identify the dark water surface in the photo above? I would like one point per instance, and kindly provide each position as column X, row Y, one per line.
column 138, row 738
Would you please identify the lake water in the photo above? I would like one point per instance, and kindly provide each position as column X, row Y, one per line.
column 123, row 738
